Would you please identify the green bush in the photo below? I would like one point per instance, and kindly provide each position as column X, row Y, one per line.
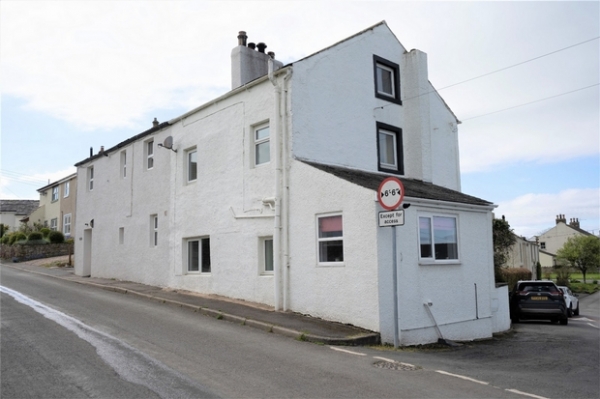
column 35, row 236
column 6, row 239
column 17, row 237
column 45, row 231
column 512, row 275
column 56, row 237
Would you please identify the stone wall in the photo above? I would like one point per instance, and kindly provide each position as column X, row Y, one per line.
column 23, row 252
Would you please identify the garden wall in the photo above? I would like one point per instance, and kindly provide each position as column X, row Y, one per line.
column 24, row 252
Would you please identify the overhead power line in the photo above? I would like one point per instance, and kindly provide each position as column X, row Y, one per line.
column 521, row 63
column 531, row 102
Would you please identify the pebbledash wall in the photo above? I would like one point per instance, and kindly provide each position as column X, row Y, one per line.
column 315, row 114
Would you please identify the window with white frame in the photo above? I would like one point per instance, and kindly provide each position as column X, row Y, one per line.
column 67, row 224
column 262, row 145
column 149, row 154
column 438, row 238
column 192, row 165
column 67, row 188
column 90, row 178
column 124, row 164
column 153, row 230
column 198, row 255
column 54, row 193
column 387, row 79
column 266, row 255
column 54, row 224
column 389, row 149
column 330, row 239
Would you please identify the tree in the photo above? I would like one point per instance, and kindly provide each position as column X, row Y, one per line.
column 504, row 239
column 581, row 252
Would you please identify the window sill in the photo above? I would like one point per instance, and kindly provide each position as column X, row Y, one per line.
column 450, row 262
column 331, row 264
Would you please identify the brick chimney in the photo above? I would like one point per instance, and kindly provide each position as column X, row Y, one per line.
column 249, row 62
column 574, row 222
column 561, row 218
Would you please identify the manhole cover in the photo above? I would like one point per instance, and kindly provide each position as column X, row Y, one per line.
column 396, row 366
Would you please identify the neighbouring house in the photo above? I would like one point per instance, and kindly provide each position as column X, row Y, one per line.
column 58, row 205
column 554, row 238
column 524, row 254
column 268, row 194
column 15, row 212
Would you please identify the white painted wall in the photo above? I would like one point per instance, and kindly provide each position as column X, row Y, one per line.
column 348, row 292
column 450, row 287
column 335, row 110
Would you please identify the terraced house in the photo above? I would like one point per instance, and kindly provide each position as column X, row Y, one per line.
column 268, row 194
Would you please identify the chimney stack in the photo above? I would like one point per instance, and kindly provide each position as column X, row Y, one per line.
column 574, row 222
column 561, row 218
column 155, row 122
column 248, row 64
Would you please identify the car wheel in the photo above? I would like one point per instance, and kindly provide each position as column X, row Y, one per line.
column 570, row 311
column 576, row 312
column 564, row 321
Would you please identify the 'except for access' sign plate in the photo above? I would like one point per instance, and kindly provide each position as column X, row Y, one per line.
column 392, row 218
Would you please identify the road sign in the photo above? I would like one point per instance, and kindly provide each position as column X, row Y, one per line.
column 392, row 218
column 390, row 193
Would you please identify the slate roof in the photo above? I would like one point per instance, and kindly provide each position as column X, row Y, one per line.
column 413, row 188
column 19, row 207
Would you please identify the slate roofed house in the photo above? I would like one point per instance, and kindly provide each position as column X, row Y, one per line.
column 268, row 194
column 14, row 211
column 58, row 205
column 553, row 239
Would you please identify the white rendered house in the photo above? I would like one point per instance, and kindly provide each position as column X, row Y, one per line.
column 269, row 194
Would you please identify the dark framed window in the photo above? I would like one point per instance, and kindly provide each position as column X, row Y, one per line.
column 387, row 80
column 390, row 155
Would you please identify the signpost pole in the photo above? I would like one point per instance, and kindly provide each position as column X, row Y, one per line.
column 395, row 282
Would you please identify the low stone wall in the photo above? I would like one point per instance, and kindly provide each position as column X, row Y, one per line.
column 23, row 252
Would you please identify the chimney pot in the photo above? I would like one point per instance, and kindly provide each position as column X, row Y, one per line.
column 261, row 47
column 252, row 46
column 242, row 38
column 271, row 54
column 155, row 122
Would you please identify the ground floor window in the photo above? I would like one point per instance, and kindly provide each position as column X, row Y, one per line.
column 67, row 224
column 330, row 238
column 54, row 224
column 198, row 255
column 438, row 237
column 266, row 255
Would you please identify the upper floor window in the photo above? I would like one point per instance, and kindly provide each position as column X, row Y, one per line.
column 438, row 238
column 262, row 145
column 91, row 178
column 330, row 238
column 387, row 79
column 150, row 154
column 192, row 165
column 67, row 188
column 389, row 149
column 54, row 193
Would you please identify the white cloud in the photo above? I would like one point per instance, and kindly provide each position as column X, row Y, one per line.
column 21, row 186
column 531, row 214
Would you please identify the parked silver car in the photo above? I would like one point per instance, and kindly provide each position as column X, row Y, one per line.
column 571, row 300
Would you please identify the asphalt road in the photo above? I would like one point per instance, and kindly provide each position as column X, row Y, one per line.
column 60, row 339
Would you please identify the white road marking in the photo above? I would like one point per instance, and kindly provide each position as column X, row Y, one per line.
column 526, row 394
column 347, row 351
column 593, row 325
column 581, row 319
column 462, row 377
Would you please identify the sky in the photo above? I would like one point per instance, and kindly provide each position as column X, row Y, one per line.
column 522, row 77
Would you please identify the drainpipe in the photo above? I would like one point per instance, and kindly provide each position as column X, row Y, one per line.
column 280, row 237
column 285, row 194
column 277, row 258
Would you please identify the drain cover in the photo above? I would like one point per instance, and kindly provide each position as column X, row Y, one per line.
column 396, row 366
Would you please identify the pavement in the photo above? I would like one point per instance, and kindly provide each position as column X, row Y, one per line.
column 289, row 324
